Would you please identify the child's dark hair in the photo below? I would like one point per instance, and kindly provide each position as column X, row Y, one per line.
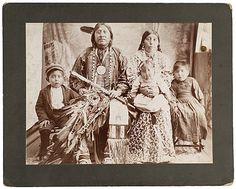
column 180, row 63
column 52, row 70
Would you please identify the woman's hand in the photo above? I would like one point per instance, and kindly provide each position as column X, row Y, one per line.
column 115, row 93
column 173, row 107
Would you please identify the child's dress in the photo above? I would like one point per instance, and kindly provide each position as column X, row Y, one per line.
column 188, row 120
column 148, row 104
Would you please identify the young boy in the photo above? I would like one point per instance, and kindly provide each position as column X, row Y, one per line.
column 50, row 101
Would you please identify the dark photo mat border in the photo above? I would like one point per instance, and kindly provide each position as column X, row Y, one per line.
column 16, row 173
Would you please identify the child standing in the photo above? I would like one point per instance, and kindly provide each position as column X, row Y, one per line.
column 50, row 101
column 188, row 117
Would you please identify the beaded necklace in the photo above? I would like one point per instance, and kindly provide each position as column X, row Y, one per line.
column 147, row 56
column 98, row 68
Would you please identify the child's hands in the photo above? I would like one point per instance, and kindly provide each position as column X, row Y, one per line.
column 173, row 107
column 149, row 92
column 44, row 124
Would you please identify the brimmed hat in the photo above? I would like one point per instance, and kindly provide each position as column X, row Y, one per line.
column 54, row 67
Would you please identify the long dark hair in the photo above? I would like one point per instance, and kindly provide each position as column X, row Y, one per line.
column 147, row 33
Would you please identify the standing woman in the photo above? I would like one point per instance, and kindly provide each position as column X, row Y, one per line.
column 150, row 139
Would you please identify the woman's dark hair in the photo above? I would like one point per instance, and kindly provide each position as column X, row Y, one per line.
column 98, row 25
column 145, row 35
column 180, row 63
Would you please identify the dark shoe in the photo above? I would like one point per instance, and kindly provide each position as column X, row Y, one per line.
column 42, row 154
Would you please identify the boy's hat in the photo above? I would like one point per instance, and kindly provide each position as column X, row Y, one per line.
column 54, row 67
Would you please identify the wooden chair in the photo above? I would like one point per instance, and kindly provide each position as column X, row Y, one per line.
column 199, row 146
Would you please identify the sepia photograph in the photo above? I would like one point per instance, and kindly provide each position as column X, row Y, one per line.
column 118, row 93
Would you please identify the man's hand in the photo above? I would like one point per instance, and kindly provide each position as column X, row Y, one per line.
column 44, row 124
column 83, row 91
column 114, row 93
